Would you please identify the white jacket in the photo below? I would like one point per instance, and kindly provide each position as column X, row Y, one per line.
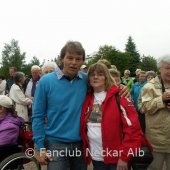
column 21, row 101
column 2, row 87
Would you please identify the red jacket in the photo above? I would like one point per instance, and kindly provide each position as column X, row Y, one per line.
column 120, row 131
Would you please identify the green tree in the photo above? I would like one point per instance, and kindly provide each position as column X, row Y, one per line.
column 12, row 56
column 35, row 61
column 130, row 48
column 115, row 57
column 27, row 67
column 148, row 63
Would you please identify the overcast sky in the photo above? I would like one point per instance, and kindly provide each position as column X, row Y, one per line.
column 42, row 27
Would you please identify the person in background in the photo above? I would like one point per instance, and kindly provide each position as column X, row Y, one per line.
column 116, row 75
column 155, row 98
column 9, row 122
column 113, row 67
column 48, row 67
column 102, row 123
column 2, row 85
column 31, row 84
column 150, row 75
column 10, row 81
column 83, row 68
column 17, row 95
column 126, row 80
column 136, row 89
column 106, row 62
column 137, row 75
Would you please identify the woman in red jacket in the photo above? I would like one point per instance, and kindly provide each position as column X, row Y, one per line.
column 110, row 138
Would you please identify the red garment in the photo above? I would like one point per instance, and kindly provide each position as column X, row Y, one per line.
column 120, row 131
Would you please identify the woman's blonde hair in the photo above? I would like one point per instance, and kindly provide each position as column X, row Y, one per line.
column 101, row 68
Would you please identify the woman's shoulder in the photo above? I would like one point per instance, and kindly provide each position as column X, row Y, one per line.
column 9, row 119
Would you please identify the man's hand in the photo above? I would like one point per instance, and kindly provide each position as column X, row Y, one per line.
column 42, row 157
column 122, row 165
column 166, row 96
column 125, row 92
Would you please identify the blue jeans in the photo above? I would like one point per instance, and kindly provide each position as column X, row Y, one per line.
column 65, row 155
column 99, row 165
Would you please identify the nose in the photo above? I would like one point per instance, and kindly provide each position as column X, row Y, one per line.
column 95, row 76
column 74, row 61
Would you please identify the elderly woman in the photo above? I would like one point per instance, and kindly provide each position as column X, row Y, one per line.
column 126, row 80
column 150, row 75
column 102, row 124
column 48, row 67
column 9, row 122
column 17, row 95
column 155, row 98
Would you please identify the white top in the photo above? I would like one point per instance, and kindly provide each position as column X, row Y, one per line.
column 2, row 87
column 94, row 127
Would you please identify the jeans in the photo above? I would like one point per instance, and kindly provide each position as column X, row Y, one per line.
column 99, row 165
column 65, row 155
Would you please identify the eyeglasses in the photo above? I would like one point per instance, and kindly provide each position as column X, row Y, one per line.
column 50, row 71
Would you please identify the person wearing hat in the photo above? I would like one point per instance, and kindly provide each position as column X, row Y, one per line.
column 9, row 122
column 83, row 68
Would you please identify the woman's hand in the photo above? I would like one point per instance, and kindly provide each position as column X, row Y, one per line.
column 122, row 165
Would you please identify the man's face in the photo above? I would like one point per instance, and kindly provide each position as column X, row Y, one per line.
column 12, row 72
column 35, row 74
column 72, row 63
column 142, row 77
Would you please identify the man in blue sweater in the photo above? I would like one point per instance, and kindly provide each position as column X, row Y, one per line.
column 58, row 100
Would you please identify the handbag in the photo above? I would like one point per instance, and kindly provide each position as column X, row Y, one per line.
column 139, row 162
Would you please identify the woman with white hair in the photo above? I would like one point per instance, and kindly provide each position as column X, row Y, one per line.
column 150, row 75
column 17, row 95
column 155, row 98
column 126, row 80
column 9, row 122
column 48, row 67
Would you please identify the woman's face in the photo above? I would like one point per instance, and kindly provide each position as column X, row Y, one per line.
column 165, row 72
column 2, row 110
column 149, row 77
column 48, row 70
column 126, row 74
column 97, row 81
column 22, row 80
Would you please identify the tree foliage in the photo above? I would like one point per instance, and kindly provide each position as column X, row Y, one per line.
column 35, row 61
column 148, row 63
column 115, row 57
column 130, row 48
column 12, row 56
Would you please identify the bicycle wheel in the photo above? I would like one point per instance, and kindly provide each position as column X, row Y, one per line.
column 19, row 161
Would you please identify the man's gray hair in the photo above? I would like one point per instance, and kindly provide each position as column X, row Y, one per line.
column 35, row 67
column 163, row 59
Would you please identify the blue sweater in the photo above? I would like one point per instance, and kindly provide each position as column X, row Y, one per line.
column 61, row 102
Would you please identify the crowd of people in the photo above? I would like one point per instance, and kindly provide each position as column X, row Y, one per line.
column 74, row 109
